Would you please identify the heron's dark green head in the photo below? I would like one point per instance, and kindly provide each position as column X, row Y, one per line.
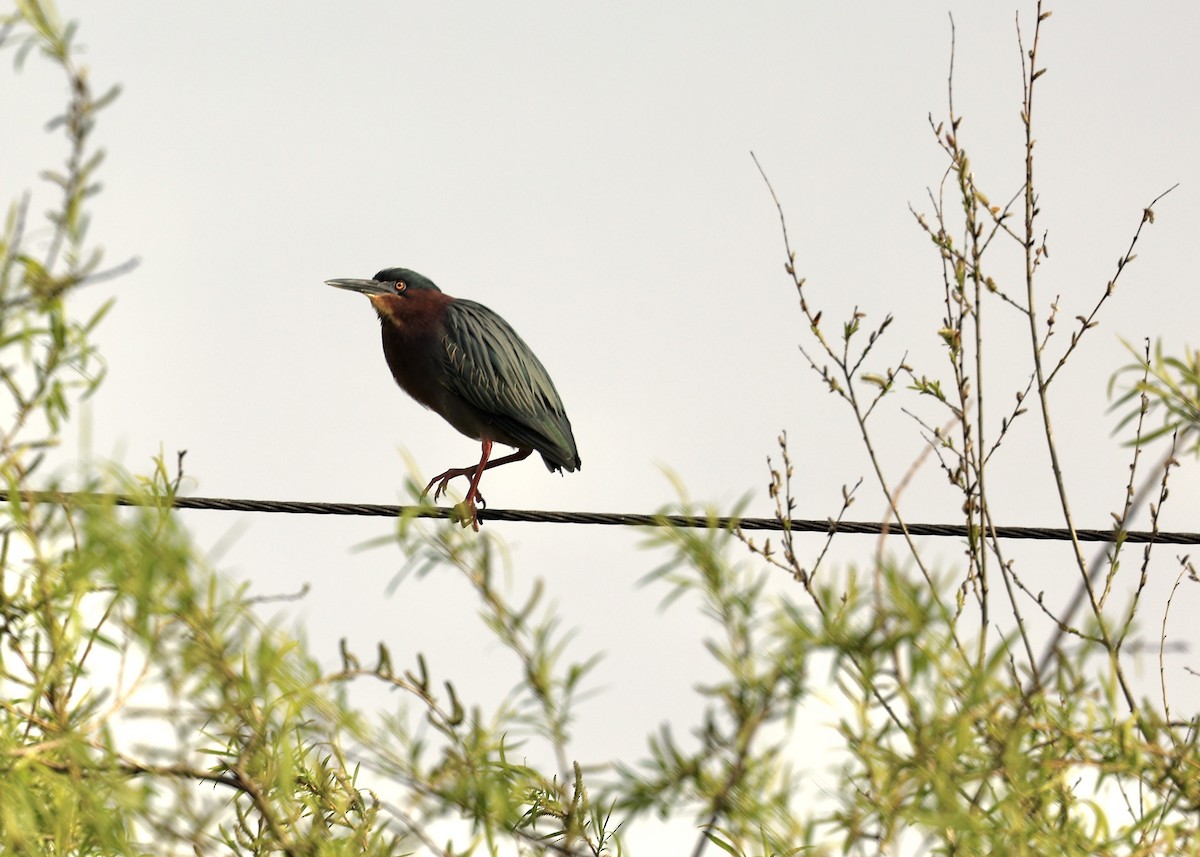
column 403, row 299
column 389, row 281
column 412, row 279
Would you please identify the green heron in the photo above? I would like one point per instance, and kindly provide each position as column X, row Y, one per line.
column 463, row 361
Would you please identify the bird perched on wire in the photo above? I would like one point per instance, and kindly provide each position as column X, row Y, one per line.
column 463, row 361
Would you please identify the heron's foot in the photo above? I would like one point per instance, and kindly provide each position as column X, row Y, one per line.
column 442, row 481
column 467, row 513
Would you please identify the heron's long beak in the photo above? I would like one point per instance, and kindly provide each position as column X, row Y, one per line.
column 367, row 287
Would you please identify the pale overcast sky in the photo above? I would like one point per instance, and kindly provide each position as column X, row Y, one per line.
column 585, row 171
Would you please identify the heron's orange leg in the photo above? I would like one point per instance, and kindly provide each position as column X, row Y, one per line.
column 475, row 473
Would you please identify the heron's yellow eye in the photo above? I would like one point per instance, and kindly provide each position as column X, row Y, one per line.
column 401, row 286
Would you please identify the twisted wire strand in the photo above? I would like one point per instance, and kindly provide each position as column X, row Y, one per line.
column 611, row 519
